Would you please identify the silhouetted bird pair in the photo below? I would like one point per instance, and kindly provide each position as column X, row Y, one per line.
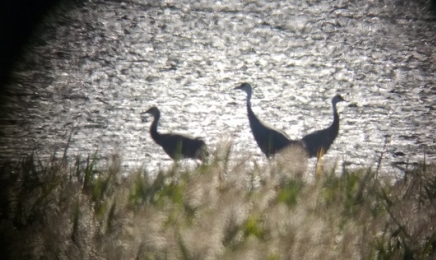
column 269, row 140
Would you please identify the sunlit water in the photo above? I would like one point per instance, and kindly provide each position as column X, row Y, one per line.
column 95, row 68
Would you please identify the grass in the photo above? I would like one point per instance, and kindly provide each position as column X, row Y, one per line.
column 220, row 210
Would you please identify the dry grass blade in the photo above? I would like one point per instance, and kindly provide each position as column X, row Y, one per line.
column 219, row 210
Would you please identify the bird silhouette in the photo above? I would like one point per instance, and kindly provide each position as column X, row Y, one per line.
column 175, row 145
column 269, row 140
column 318, row 142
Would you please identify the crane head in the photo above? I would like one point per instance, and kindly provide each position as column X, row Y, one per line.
column 338, row 98
column 154, row 111
column 245, row 87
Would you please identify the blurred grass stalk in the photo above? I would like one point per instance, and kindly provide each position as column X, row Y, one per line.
column 220, row 210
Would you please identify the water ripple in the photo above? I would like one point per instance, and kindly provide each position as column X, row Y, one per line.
column 111, row 61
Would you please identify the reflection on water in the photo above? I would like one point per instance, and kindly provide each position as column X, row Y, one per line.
column 98, row 66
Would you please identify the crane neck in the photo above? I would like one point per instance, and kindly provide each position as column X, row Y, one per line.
column 252, row 118
column 335, row 110
column 249, row 92
column 335, row 123
column 153, row 128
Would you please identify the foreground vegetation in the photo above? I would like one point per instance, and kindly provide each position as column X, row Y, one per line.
column 222, row 210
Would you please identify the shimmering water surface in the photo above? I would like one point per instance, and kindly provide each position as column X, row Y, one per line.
column 96, row 67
